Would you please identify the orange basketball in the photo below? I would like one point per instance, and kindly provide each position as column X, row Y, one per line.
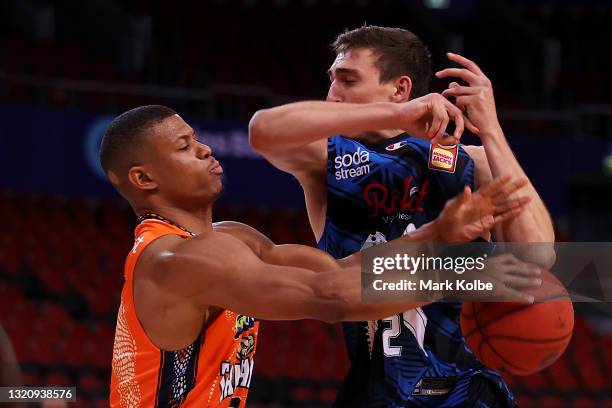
column 519, row 338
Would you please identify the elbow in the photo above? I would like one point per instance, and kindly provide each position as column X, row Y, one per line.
column 539, row 253
column 552, row 258
column 547, row 256
column 542, row 250
column 259, row 134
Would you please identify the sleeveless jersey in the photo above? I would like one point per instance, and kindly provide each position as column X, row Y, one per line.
column 214, row 371
column 376, row 193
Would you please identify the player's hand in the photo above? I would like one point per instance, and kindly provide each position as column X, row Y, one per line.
column 476, row 101
column 428, row 116
column 508, row 275
column 470, row 215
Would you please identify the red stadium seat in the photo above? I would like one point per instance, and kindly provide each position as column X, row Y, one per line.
column 606, row 402
column 10, row 260
column 31, row 378
column 585, row 402
column 10, row 299
column 552, row 402
column 90, row 382
column 59, row 379
column 54, row 314
column 75, row 341
column 562, row 375
column 526, row 402
column 301, row 394
column 588, row 365
column 81, row 402
column 267, row 361
column 606, row 348
column 328, row 395
column 535, row 381
column 101, row 403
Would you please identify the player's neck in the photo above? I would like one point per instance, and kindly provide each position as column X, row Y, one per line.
column 372, row 137
column 196, row 221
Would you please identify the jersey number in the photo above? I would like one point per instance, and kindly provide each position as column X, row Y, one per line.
column 414, row 319
column 391, row 333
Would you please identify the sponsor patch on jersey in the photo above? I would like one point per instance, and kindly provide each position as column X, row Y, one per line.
column 352, row 164
column 396, row 146
column 243, row 323
column 443, row 158
column 428, row 386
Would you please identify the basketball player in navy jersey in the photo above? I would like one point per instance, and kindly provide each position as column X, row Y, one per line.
column 370, row 175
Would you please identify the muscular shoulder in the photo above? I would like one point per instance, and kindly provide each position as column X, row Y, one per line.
column 183, row 265
column 257, row 241
column 155, row 252
column 154, row 259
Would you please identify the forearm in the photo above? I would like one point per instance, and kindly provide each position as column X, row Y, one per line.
column 289, row 293
column 534, row 223
column 300, row 256
column 221, row 271
column 301, row 123
column 344, row 287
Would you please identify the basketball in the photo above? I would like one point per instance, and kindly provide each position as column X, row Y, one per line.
column 520, row 338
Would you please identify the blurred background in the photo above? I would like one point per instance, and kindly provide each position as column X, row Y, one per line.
column 67, row 68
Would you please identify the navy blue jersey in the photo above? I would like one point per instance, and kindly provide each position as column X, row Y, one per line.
column 376, row 193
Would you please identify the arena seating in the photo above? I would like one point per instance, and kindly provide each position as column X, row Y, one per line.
column 61, row 266
column 206, row 52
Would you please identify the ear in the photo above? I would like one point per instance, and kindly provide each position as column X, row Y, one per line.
column 140, row 179
column 403, row 87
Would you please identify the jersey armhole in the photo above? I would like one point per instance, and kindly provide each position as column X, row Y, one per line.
column 322, row 238
column 132, row 315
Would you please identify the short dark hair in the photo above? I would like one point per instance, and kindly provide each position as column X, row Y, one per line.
column 399, row 52
column 125, row 133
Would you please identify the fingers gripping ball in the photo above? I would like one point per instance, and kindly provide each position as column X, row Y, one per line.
column 519, row 338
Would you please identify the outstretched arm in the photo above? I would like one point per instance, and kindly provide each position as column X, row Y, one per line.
column 216, row 269
column 244, row 271
column 496, row 157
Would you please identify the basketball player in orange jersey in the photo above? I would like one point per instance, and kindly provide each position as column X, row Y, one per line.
column 186, row 329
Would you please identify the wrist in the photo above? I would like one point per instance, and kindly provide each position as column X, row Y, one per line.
column 441, row 231
column 492, row 132
column 433, row 229
column 397, row 115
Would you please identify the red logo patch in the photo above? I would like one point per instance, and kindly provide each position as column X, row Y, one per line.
column 443, row 158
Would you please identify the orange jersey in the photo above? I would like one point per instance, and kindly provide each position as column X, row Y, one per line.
column 214, row 371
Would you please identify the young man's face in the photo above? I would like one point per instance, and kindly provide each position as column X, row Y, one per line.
column 355, row 79
column 183, row 167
